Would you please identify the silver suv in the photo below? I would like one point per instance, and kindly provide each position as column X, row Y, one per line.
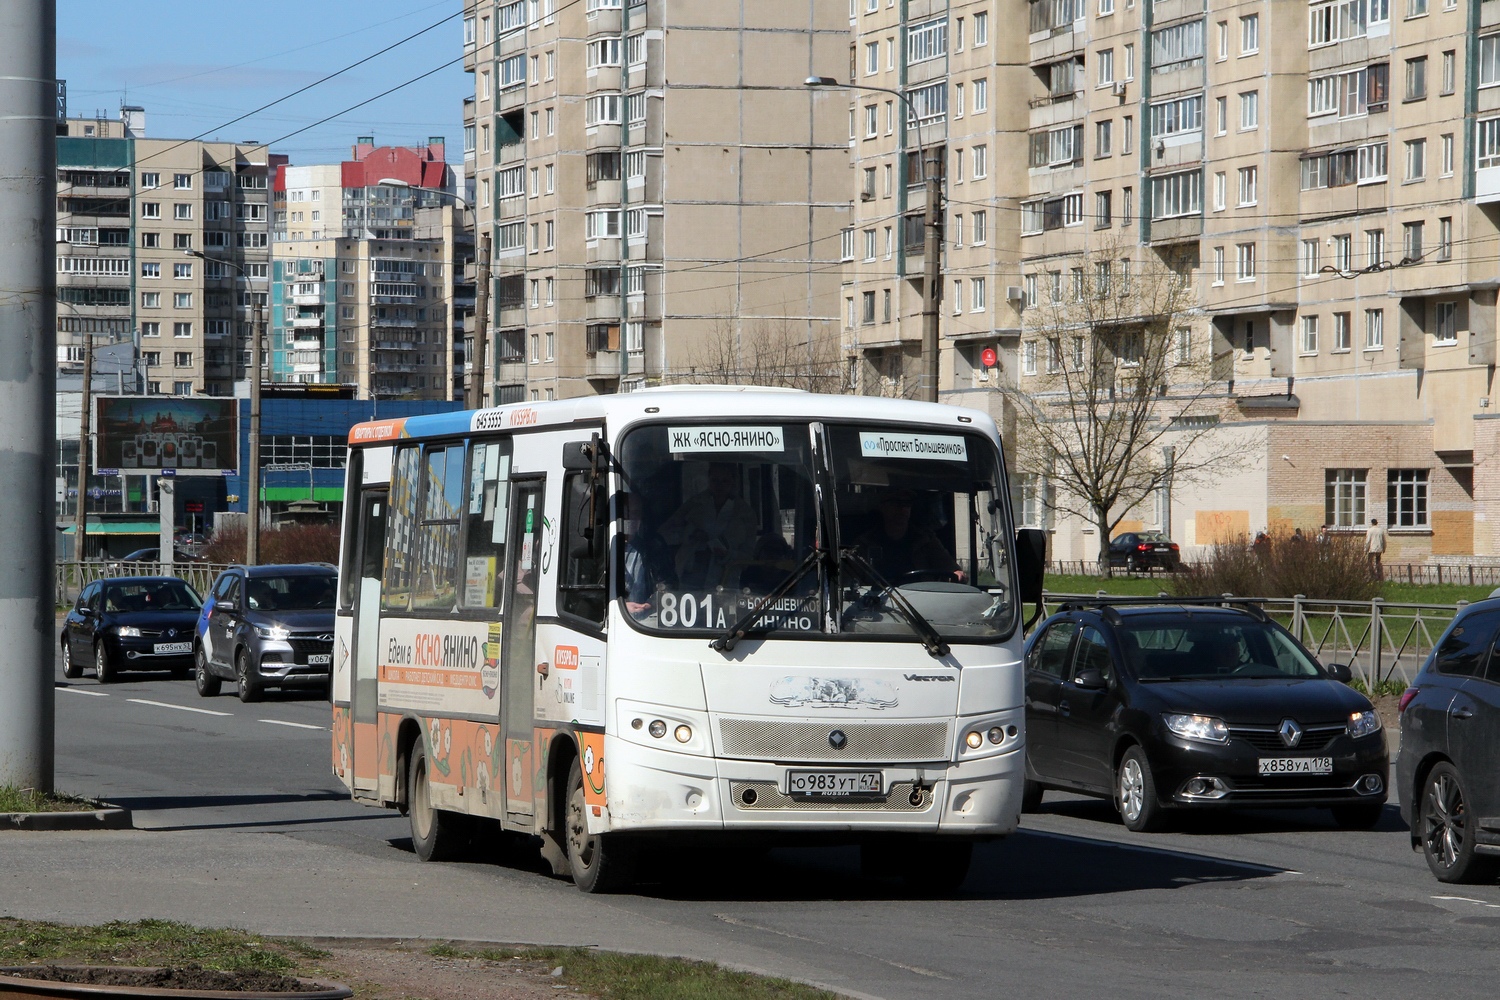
column 267, row 626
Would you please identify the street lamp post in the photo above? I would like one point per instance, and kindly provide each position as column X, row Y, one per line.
column 252, row 502
column 474, row 381
column 930, row 174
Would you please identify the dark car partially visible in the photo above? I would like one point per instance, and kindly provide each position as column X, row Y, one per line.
column 131, row 623
column 1144, row 550
column 1448, row 770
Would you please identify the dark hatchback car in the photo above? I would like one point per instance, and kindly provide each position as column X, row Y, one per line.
column 131, row 623
column 1188, row 706
column 1448, row 770
column 265, row 627
column 1144, row 550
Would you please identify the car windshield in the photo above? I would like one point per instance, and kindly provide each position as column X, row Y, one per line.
column 308, row 592
column 1212, row 650
column 718, row 517
column 150, row 596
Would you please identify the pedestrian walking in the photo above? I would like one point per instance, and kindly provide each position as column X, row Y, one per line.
column 1323, row 538
column 1375, row 547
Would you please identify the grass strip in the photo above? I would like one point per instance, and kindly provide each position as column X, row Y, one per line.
column 150, row 943
column 27, row 800
column 614, row 976
column 1150, row 586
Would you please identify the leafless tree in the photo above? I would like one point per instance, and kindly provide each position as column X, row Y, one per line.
column 1122, row 368
column 769, row 352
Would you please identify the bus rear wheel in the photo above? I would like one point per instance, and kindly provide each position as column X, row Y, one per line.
column 435, row 835
column 599, row 862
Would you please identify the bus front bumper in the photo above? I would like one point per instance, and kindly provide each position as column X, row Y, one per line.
column 655, row 790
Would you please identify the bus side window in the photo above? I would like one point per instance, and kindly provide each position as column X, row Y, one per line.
column 436, row 585
column 400, row 528
column 585, row 550
column 487, row 523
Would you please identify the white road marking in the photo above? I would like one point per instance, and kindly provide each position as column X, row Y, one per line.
column 91, row 694
column 180, row 708
column 294, row 725
column 1459, row 899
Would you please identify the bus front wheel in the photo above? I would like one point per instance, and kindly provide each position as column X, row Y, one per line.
column 435, row 834
column 599, row 862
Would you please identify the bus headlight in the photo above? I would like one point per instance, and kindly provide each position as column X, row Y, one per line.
column 974, row 739
column 657, row 728
column 683, row 733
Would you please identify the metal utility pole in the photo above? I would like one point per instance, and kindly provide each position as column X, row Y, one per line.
column 252, row 505
column 28, row 386
column 80, row 528
column 931, row 277
column 474, row 389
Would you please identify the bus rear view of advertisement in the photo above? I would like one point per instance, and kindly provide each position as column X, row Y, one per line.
column 615, row 622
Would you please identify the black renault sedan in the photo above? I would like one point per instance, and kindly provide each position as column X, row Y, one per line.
column 1448, row 771
column 1197, row 704
column 131, row 623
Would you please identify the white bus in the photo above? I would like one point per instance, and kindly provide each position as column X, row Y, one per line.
column 611, row 621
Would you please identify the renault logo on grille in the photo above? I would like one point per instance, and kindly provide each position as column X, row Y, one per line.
column 1290, row 732
column 324, row 638
column 837, row 739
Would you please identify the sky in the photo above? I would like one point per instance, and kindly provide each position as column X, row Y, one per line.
column 195, row 69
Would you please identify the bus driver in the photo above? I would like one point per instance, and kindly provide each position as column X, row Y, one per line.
column 898, row 549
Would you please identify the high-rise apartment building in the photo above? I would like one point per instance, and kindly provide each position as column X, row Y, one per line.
column 369, row 272
column 1322, row 176
column 654, row 180
column 132, row 214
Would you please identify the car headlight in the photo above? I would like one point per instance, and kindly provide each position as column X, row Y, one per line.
column 1198, row 727
column 129, row 632
column 278, row 632
column 1363, row 724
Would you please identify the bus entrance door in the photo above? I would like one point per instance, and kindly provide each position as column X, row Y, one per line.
column 519, row 665
column 363, row 693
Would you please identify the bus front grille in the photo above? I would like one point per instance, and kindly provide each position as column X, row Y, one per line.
column 871, row 742
column 768, row 796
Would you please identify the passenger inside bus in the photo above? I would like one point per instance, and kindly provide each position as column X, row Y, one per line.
column 899, row 549
column 647, row 558
column 713, row 531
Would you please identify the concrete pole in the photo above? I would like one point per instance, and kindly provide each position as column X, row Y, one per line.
column 474, row 391
column 252, row 504
column 932, row 291
column 28, row 384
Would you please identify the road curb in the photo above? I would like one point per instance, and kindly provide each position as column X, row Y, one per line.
column 107, row 818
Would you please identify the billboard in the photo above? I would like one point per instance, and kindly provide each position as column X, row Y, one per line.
column 193, row 436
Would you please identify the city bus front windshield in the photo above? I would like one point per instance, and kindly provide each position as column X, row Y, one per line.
column 716, row 518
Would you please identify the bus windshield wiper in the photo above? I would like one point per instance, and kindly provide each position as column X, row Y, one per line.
column 747, row 621
column 931, row 641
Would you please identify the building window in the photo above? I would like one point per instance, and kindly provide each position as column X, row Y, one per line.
column 1445, row 239
column 1411, row 241
column 1183, row 114
column 1104, row 64
column 867, row 307
column 1341, row 331
column 1416, row 159
column 1445, row 324
column 927, row 40
column 1218, row 265
column 1249, row 34
column 1174, row 195
column 980, row 156
column 1249, row 110
column 1101, row 210
column 981, row 29
column 1448, row 71
column 980, row 232
column 182, row 300
column 1406, row 498
column 1028, row 358
column 1029, row 285
column 981, row 95
column 1309, row 335
column 1416, row 79
column 978, row 299
column 1343, row 252
column 1244, row 261
column 1374, row 246
column 1102, row 137
column 1374, row 329
column 1247, row 186
column 182, row 271
column 1344, row 497
column 1310, row 251
column 1220, row 184
column 151, row 210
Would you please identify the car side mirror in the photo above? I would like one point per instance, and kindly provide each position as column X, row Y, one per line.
column 1340, row 672
column 1031, row 563
column 1090, row 679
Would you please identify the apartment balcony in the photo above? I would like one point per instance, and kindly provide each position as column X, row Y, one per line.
column 1055, row 44
column 307, row 299
column 604, row 22
column 1184, row 229
column 394, row 324
column 307, row 322
column 304, row 343
column 602, row 364
column 396, row 345
column 313, row 368
column 1489, row 14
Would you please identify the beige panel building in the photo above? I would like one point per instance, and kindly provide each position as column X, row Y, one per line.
column 1307, row 168
column 654, row 179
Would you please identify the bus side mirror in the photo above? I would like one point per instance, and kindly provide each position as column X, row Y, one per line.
column 577, row 457
column 1031, row 562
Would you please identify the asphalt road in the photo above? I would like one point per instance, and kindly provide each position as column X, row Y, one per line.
column 242, row 824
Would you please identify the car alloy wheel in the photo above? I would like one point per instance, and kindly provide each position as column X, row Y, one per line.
column 1130, row 790
column 1444, row 829
column 1135, row 793
column 70, row 667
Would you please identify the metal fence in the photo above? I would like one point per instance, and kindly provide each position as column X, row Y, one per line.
column 71, row 577
column 1466, row 574
column 1380, row 641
